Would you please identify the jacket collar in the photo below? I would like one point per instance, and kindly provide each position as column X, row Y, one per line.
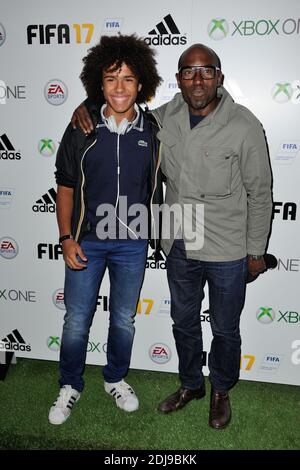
column 178, row 109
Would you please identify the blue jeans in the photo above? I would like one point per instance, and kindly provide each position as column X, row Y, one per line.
column 126, row 261
column 226, row 284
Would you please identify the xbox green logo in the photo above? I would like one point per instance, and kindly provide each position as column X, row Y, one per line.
column 218, row 29
column 53, row 343
column 265, row 315
column 282, row 92
column 46, row 147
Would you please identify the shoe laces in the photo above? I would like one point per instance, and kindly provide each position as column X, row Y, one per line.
column 64, row 396
column 124, row 389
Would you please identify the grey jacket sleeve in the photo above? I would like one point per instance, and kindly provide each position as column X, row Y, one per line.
column 257, row 180
column 159, row 113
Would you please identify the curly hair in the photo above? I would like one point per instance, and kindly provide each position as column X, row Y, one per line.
column 113, row 51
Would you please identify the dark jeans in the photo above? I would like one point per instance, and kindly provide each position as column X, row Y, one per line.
column 126, row 262
column 226, row 285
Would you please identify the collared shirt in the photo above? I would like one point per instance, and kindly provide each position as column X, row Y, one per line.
column 133, row 150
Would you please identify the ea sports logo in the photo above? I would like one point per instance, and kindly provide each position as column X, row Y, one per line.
column 56, row 92
column 218, row 29
column 46, row 147
column 8, row 248
column 282, row 92
column 265, row 315
column 160, row 353
column 58, row 299
column 53, row 343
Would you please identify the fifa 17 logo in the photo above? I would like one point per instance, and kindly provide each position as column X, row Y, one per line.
column 59, row 34
column 49, row 251
column 145, row 306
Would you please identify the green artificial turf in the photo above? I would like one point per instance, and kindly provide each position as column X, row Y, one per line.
column 265, row 416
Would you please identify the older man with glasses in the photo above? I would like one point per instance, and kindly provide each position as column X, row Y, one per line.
column 213, row 153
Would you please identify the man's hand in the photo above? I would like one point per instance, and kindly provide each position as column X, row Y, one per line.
column 71, row 250
column 256, row 266
column 82, row 118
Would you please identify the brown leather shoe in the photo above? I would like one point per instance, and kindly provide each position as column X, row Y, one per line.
column 220, row 411
column 179, row 399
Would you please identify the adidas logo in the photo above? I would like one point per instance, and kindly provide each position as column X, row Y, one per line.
column 204, row 316
column 46, row 203
column 14, row 342
column 153, row 263
column 166, row 33
column 7, row 150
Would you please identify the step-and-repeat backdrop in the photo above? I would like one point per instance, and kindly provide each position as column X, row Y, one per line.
column 41, row 50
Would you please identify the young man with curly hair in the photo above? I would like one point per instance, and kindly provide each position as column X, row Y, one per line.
column 117, row 160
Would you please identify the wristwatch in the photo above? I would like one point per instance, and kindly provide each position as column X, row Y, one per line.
column 255, row 257
column 65, row 237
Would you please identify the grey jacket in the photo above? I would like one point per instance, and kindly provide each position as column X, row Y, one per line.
column 221, row 165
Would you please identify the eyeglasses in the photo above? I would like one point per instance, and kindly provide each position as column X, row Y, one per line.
column 207, row 72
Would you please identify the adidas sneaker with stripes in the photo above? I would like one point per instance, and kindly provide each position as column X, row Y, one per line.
column 62, row 407
column 124, row 395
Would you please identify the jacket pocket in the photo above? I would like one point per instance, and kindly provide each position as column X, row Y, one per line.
column 211, row 173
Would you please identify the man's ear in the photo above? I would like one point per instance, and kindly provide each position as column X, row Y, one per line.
column 220, row 79
column 139, row 86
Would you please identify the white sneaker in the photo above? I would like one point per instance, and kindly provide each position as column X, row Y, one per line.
column 62, row 407
column 124, row 395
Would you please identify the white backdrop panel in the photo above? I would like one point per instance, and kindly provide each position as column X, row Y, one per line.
column 257, row 43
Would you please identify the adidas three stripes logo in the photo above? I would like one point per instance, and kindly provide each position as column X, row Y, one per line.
column 162, row 29
column 166, row 33
column 46, row 203
column 7, row 150
column 14, row 342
